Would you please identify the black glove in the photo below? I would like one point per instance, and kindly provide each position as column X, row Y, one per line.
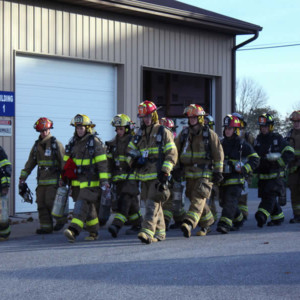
column 162, row 177
column 217, row 177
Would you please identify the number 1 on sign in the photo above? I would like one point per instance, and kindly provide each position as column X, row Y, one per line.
column 4, row 108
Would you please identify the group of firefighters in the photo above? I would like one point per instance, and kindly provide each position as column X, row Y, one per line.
column 151, row 164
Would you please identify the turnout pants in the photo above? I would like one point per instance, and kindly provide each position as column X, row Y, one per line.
column 231, row 214
column 45, row 196
column 197, row 190
column 128, row 206
column 268, row 191
column 294, row 185
column 153, row 223
column 85, row 212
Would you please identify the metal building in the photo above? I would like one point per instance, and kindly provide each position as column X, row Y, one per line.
column 99, row 57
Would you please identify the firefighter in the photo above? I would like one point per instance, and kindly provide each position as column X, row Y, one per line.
column 5, row 174
column 123, row 178
column 210, row 122
column 240, row 159
column 249, row 138
column 88, row 153
column 293, row 138
column 173, row 208
column 201, row 155
column 154, row 153
column 47, row 154
column 275, row 154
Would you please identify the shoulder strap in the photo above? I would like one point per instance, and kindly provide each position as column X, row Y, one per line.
column 138, row 136
column 35, row 150
column 53, row 149
column 160, row 142
column 70, row 146
column 90, row 145
column 206, row 140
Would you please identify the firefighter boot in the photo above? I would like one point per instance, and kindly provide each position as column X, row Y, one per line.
column 133, row 230
column 223, row 228
column 186, row 228
column 114, row 230
column 92, row 237
column 144, row 238
column 261, row 219
column 203, row 231
column 70, row 235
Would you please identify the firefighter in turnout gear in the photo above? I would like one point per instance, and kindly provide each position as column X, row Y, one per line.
column 209, row 212
column 86, row 150
column 211, row 201
column 293, row 139
column 47, row 154
column 173, row 208
column 154, row 154
column 201, row 155
column 275, row 154
column 240, row 159
column 5, row 174
column 123, row 178
column 249, row 138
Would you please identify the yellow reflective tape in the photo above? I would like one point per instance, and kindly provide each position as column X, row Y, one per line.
column 92, row 222
column 99, row 158
column 148, row 232
column 104, row 175
column 77, row 222
column 132, row 146
column 226, row 220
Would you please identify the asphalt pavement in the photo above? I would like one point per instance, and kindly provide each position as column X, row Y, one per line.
column 253, row 263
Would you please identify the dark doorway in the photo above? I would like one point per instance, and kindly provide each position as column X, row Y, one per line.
column 173, row 92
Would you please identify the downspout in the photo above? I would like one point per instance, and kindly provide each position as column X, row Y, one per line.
column 233, row 66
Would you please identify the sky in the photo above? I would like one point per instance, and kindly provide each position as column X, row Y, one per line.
column 276, row 70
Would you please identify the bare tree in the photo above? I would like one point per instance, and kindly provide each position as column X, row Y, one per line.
column 250, row 95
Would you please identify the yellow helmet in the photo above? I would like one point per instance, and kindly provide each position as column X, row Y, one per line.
column 121, row 120
column 82, row 120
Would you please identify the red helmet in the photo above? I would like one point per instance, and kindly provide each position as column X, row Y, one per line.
column 194, row 110
column 295, row 116
column 231, row 121
column 146, row 108
column 167, row 122
column 43, row 124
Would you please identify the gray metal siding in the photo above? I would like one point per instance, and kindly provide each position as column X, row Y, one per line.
column 67, row 33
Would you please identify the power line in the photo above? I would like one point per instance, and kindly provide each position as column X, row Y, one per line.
column 269, row 47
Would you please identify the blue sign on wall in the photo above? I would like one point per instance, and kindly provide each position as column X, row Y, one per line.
column 7, row 104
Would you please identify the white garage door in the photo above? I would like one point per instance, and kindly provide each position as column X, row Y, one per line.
column 59, row 89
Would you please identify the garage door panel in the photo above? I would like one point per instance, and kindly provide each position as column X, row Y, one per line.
column 59, row 89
